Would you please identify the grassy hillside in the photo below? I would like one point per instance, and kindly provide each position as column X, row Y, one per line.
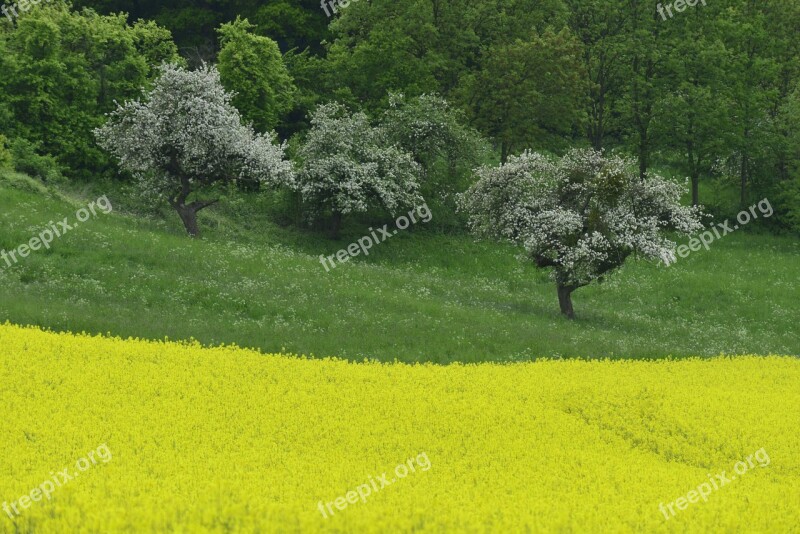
column 418, row 297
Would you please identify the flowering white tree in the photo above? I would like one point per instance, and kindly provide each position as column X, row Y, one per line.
column 185, row 137
column 581, row 215
column 349, row 166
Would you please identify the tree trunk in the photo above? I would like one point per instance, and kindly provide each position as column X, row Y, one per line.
column 336, row 224
column 565, row 300
column 743, row 181
column 694, row 168
column 644, row 153
column 596, row 122
column 188, row 215
column 188, row 212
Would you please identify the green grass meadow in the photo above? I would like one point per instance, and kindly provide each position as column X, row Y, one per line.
column 419, row 296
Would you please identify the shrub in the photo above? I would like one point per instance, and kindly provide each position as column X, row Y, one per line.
column 26, row 158
column 349, row 167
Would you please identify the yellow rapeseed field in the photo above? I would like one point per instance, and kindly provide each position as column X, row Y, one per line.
column 231, row 440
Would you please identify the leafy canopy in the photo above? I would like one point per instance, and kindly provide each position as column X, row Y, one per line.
column 252, row 68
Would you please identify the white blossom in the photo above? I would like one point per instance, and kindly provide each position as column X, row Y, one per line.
column 185, row 134
column 349, row 167
column 582, row 214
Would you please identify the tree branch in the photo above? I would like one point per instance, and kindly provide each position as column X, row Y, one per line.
column 197, row 205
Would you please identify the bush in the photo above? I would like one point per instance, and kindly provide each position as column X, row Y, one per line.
column 27, row 159
column 349, row 167
column 788, row 204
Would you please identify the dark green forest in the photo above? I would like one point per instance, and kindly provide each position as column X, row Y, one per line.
column 711, row 93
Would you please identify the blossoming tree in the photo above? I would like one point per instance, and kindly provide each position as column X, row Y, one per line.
column 581, row 215
column 185, row 137
column 350, row 166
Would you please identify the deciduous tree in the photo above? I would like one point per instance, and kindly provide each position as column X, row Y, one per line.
column 581, row 215
column 252, row 68
column 529, row 92
column 184, row 137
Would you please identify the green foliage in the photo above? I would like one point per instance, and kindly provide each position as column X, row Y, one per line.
column 383, row 63
column 154, row 43
column 711, row 85
column 251, row 66
column 788, row 189
column 788, row 200
column 691, row 119
column 600, row 27
column 310, row 74
column 425, row 47
column 64, row 69
column 292, row 23
column 528, row 93
column 26, row 159
column 6, row 159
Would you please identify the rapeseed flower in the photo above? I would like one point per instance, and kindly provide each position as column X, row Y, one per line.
column 226, row 439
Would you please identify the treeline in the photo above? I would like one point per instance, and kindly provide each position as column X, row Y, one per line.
column 291, row 23
column 712, row 91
